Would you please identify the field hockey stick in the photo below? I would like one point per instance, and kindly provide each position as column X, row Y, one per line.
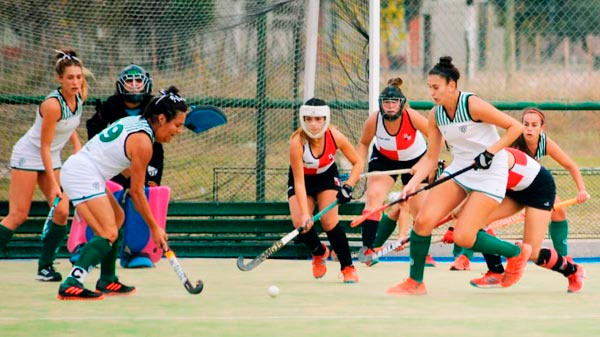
column 46, row 227
column 364, row 217
column 202, row 118
column 282, row 242
column 345, row 176
column 516, row 218
column 194, row 290
column 385, row 250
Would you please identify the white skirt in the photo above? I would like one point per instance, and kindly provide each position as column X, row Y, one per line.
column 26, row 156
column 80, row 179
column 491, row 181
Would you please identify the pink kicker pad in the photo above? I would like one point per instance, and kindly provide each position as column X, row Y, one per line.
column 80, row 234
column 158, row 200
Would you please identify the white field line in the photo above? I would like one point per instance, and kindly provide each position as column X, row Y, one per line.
column 300, row 317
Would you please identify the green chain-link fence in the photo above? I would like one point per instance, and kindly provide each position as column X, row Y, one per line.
column 247, row 56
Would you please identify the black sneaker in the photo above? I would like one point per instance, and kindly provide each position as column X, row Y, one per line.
column 114, row 288
column 48, row 274
column 68, row 292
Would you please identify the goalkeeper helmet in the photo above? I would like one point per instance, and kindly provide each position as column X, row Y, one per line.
column 134, row 83
column 315, row 107
column 395, row 95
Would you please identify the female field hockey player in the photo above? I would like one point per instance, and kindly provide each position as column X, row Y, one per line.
column 537, row 144
column 532, row 187
column 36, row 159
column 468, row 124
column 313, row 178
column 399, row 144
column 126, row 143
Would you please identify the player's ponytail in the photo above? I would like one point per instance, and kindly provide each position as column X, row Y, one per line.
column 168, row 102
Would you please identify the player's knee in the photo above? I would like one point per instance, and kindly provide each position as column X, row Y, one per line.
column 424, row 222
column 61, row 214
column 329, row 223
column 559, row 215
column 463, row 238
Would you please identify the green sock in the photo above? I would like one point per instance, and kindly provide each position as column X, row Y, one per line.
column 467, row 252
column 384, row 230
column 559, row 230
column 91, row 254
column 108, row 265
column 5, row 236
column 489, row 244
column 419, row 247
column 457, row 250
column 52, row 240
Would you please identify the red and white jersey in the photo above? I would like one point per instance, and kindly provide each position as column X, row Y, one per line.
column 313, row 165
column 405, row 145
column 523, row 172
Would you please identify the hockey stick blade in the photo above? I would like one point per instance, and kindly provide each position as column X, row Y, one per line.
column 265, row 255
column 203, row 118
column 194, row 290
column 282, row 242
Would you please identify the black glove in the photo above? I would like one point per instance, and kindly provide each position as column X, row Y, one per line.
column 344, row 194
column 484, row 160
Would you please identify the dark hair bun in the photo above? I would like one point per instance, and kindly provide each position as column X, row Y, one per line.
column 446, row 61
column 396, row 81
column 172, row 89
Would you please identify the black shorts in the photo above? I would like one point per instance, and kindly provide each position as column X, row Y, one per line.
column 540, row 194
column 379, row 162
column 328, row 180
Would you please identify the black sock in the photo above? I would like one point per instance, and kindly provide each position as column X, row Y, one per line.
column 494, row 263
column 369, row 231
column 550, row 259
column 5, row 236
column 54, row 237
column 312, row 242
column 339, row 242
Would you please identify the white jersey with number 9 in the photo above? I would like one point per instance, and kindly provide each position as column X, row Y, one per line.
column 107, row 149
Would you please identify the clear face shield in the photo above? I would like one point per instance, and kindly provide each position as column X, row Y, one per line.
column 314, row 111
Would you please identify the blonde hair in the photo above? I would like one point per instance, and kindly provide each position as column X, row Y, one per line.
column 68, row 57
column 303, row 136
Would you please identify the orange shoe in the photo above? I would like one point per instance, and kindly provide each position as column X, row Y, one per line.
column 515, row 266
column 408, row 287
column 576, row 279
column 349, row 274
column 461, row 263
column 318, row 263
column 373, row 262
column 429, row 261
column 489, row 280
